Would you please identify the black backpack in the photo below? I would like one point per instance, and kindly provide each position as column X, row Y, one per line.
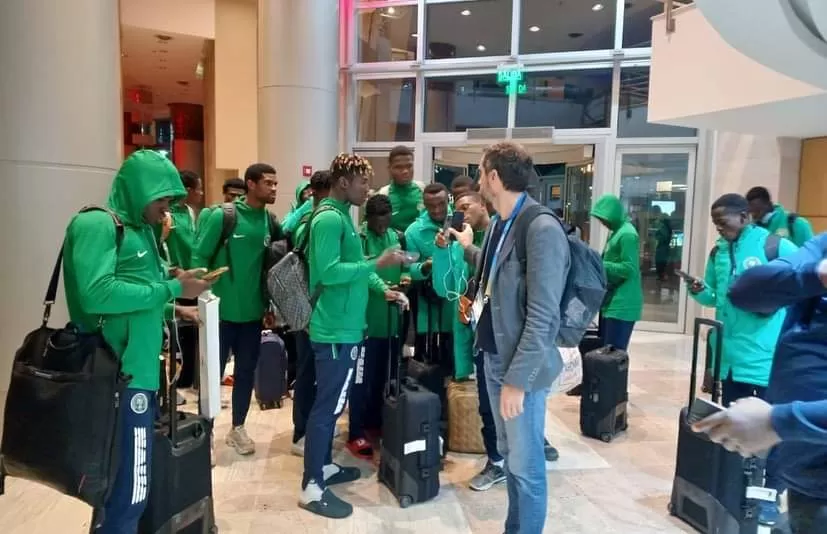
column 276, row 249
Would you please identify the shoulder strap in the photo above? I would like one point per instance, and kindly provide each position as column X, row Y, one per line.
column 51, row 290
column 771, row 247
column 791, row 218
column 273, row 225
column 400, row 236
column 228, row 221
column 524, row 220
column 713, row 252
column 305, row 242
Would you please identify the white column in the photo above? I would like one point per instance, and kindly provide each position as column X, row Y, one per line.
column 298, row 88
column 60, row 143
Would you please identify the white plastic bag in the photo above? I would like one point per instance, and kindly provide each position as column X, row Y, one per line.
column 572, row 374
column 208, row 345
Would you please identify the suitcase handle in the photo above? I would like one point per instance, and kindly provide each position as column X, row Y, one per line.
column 391, row 355
column 714, row 326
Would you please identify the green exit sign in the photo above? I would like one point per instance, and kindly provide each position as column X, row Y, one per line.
column 512, row 77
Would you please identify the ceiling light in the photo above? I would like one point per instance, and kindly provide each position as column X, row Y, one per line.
column 391, row 10
column 597, row 7
column 465, row 12
column 534, row 29
column 415, row 35
column 481, row 48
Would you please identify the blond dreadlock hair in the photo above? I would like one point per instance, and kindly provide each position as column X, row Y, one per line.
column 348, row 165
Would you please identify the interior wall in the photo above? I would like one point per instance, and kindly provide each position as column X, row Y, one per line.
column 812, row 191
column 235, row 111
column 187, row 17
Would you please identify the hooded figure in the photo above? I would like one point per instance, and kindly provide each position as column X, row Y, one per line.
column 621, row 260
column 300, row 197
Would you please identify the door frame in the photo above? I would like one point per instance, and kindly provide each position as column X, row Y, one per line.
column 603, row 149
column 691, row 150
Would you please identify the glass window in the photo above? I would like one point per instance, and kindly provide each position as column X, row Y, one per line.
column 637, row 22
column 565, row 99
column 386, row 34
column 549, row 26
column 381, row 174
column 653, row 190
column 386, row 109
column 456, row 103
column 634, row 108
column 468, row 29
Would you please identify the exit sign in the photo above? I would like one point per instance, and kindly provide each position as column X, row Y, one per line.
column 513, row 78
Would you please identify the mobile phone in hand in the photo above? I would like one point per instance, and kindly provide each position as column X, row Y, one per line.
column 688, row 277
column 213, row 275
column 457, row 222
column 701, row 409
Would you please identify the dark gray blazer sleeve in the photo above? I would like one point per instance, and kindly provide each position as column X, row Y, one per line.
column 547, row 265
column 472, row 255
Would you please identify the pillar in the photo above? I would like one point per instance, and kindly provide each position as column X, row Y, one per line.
column 61, row 141
column 188, row 137
column 297, row 89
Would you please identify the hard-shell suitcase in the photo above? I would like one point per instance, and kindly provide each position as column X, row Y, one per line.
column 710, row 487
column 410, row 456
column 271, row 372
column 424, row 367
column 464, row 421
column 605, row 393
column 180, row 496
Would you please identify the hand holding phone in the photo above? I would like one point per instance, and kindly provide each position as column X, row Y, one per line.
column 213, row 275
column 701, row 409
column 457, row 221
column 696, row 285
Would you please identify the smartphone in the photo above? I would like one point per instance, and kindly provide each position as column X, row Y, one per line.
column 215, row 274
column 701, row 409
column 688, row 277
column 456, row 222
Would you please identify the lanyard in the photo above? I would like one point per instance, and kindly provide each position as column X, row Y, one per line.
column 517, row 207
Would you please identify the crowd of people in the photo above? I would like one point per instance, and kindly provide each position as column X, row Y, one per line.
column 460, row 286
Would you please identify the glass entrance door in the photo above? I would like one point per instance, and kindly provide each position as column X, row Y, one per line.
column 655, row 187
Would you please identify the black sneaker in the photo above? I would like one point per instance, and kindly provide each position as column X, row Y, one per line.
column 550, row 452
column 486, row 479
column 329, row 506
column 345, row 475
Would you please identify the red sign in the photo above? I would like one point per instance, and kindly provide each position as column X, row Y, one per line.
column 307, row 171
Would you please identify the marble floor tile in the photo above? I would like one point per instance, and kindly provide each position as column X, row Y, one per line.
column 616, row 488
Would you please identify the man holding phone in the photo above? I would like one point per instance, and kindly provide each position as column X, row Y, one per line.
column 749, row 338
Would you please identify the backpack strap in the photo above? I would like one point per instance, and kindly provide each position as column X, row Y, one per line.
column 713, row 253
column 276, row 233
column 771, row 246
column 400, row 236
column 228, row 211
column 301, row 247
column 791, row 218
column 524, row 220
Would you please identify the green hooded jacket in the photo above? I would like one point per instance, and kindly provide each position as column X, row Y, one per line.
column 621, row 260
column 181, row 238
column 293, row 219
column 749, row 338
column 240, row 289
column 127, row 287
column 778, row 222
column 406, row 203
column 373, row 246
column 420, row 237
column 337, row 264
column 297, row 199
column 451, row 274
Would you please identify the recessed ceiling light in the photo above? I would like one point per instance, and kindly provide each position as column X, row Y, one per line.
column 481, row 48
column 597, row 7
column 415, row 35
column 391, row 10
column 465, row 12
column 534, row 29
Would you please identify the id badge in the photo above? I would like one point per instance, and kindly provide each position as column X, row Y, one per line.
column 476, row 309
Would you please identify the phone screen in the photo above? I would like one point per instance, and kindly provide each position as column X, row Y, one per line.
column 701, row 409
column 686, row 276
column 457, row 220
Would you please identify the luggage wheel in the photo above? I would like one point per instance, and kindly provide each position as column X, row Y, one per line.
column 605, row 437
column 269, row 405
column 405, row 501
column 670, row 508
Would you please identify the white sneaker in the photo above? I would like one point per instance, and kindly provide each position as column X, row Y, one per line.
column 298, row 448
column 240, row 441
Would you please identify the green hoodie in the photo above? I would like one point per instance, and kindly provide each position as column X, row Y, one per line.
column 181, row 238
column 338, row 265
column 127, row 287
column 240, row 291
column 406, row 203
column 297, row 199
column 293, row 219
column 621, row 260
column 749, row 338
column 451, row 274
column 420, row 238
column 778, row 222
column 377, row 314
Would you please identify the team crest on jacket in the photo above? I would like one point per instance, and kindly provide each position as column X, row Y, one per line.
column 751, row 262
column 782, row 232
column 139, row 403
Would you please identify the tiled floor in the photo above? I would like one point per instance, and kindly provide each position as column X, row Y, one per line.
column 595, row 488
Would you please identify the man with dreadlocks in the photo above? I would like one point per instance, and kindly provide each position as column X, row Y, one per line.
column 338, row 268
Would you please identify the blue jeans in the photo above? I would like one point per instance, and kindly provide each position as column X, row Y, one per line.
column 244, row 339
column 489, row 430
column 807, row 515
column 520, row 441
column 366, row 395
column 130, row 488
column 304, row 389
column 615, row 332
column 335, row 365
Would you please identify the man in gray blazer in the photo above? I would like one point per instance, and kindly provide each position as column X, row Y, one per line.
column 516, row 314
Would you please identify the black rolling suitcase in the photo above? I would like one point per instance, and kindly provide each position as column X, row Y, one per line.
column 424, row 367
column 271, row 372
column 605, row 393
column 710, row 486
column 410, row 456
column 591, row 341
column 180, row 496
